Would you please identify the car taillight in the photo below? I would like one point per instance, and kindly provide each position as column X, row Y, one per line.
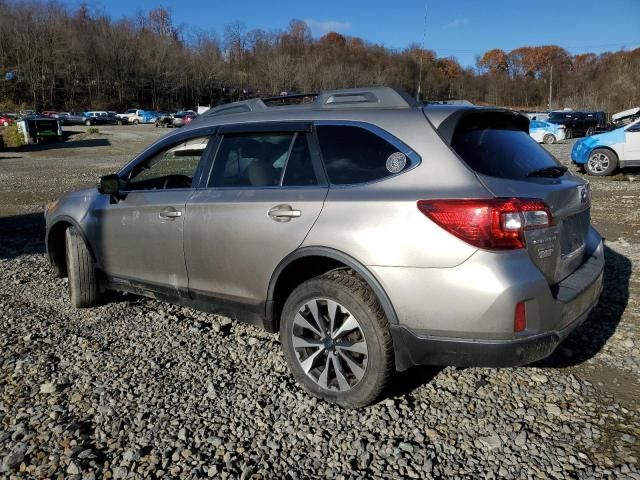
column 492, row 224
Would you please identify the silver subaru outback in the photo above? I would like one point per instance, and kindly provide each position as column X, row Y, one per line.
column 373, row 233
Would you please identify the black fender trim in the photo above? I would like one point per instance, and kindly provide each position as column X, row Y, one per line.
column 342, row 257
column 72, row 221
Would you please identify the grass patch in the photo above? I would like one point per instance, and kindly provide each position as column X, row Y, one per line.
column 93, row 130
column 12, row 136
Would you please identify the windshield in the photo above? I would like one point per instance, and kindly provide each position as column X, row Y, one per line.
column 493, row 144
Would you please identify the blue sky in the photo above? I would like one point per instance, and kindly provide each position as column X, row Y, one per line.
column 462, row 28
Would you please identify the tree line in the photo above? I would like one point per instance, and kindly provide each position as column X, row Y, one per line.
column 54, row 57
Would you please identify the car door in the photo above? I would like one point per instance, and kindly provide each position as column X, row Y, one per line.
column 264, row 193
column 139, row 236
column 632, row 142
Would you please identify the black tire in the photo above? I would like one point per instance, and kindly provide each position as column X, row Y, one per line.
column 568, row 134
column 136, row 122
column 589, row 132
column 549, row 139
column 119, row 122
column 88, row 123
column 83, row 282
column 350, row 291
column 595, row 163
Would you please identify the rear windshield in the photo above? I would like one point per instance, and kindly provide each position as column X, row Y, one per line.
column 494, row 144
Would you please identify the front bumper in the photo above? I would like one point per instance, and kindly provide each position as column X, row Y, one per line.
column 572, row 301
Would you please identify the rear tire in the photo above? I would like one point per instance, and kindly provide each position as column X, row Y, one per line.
column 601, row 163
column 590, row 131
column 88, row 123
column 136, row 122
column 549, row 139
column 568, row 134
column 351, row 360
column 83, row 282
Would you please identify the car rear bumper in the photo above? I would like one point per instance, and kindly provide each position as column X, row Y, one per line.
column 551, row 317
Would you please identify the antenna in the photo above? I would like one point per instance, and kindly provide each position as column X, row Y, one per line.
column 424, row 36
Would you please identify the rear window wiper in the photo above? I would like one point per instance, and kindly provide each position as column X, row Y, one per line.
column 553, row 172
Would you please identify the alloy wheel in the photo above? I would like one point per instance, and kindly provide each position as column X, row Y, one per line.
column 598, row 162
column 329, row 344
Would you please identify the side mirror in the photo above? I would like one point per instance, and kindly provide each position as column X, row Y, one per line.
column 109, row 185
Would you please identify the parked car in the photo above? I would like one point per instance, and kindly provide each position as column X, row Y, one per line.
column 102, row 117
column 164, row 120
column 73, row 118
column 353, row 225
column 181, row 119
column 542, row 116
column 603, row 153
column 578, row 124
column 620, row 119
column 49, row 113
column 545, row 132
column 136, row 116
column 7, row 119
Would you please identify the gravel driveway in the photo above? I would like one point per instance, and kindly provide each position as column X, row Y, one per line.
column 140, row 389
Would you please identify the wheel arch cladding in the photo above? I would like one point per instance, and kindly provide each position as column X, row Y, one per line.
column 55, row 243
column 310, row 262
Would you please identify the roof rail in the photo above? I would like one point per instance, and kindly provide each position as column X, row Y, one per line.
column 292, row 96
column 366, row 97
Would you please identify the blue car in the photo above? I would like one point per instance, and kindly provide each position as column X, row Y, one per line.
column 545, row 132
column 601, row 154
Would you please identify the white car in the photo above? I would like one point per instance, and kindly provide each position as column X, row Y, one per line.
column 545, row 132
column 603, row 153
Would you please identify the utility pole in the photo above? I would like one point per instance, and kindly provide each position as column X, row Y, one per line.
column 424, row 35
column 550, row 86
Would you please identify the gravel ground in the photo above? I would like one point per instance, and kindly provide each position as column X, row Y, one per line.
column 136, row 388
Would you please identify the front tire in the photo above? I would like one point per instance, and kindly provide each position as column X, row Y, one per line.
column 568, row 134
column 601, row 162
column 88, row 123
column 549, row 139
column 136, row 122
column 83, row 282
column 336, row 339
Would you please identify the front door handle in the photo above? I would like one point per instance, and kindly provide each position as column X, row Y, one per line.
column 283, row 213
column 170, row 213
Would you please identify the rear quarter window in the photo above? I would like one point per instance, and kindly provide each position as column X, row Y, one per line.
column 498, row 144
column 353, row 155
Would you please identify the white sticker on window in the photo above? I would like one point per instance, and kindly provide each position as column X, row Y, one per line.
column 396, row 162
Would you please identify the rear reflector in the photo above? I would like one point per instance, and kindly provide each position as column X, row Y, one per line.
column 492, row 224
column 520, row 318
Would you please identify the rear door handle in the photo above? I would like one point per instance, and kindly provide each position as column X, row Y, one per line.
column 170, row 213
column 283, row 213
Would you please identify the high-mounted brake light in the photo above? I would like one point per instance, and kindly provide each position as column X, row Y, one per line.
column 492, row 224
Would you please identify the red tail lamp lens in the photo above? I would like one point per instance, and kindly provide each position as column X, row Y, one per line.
column 491, row 224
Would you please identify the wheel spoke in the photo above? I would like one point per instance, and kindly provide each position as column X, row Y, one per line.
column 356, row 369
column 350, row 323
column 302, row 322
column 356, row 347
column 324, row 376
column 343, row 384
column 308, row 364
column 305, row 342
column 317, row 316
column 332, row 308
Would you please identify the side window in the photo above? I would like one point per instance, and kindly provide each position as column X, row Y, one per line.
column 356, row 155
column 299, row 169
column 173, row 167
column 251, row 160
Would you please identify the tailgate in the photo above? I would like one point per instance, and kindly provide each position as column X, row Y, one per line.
column 496, row 145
